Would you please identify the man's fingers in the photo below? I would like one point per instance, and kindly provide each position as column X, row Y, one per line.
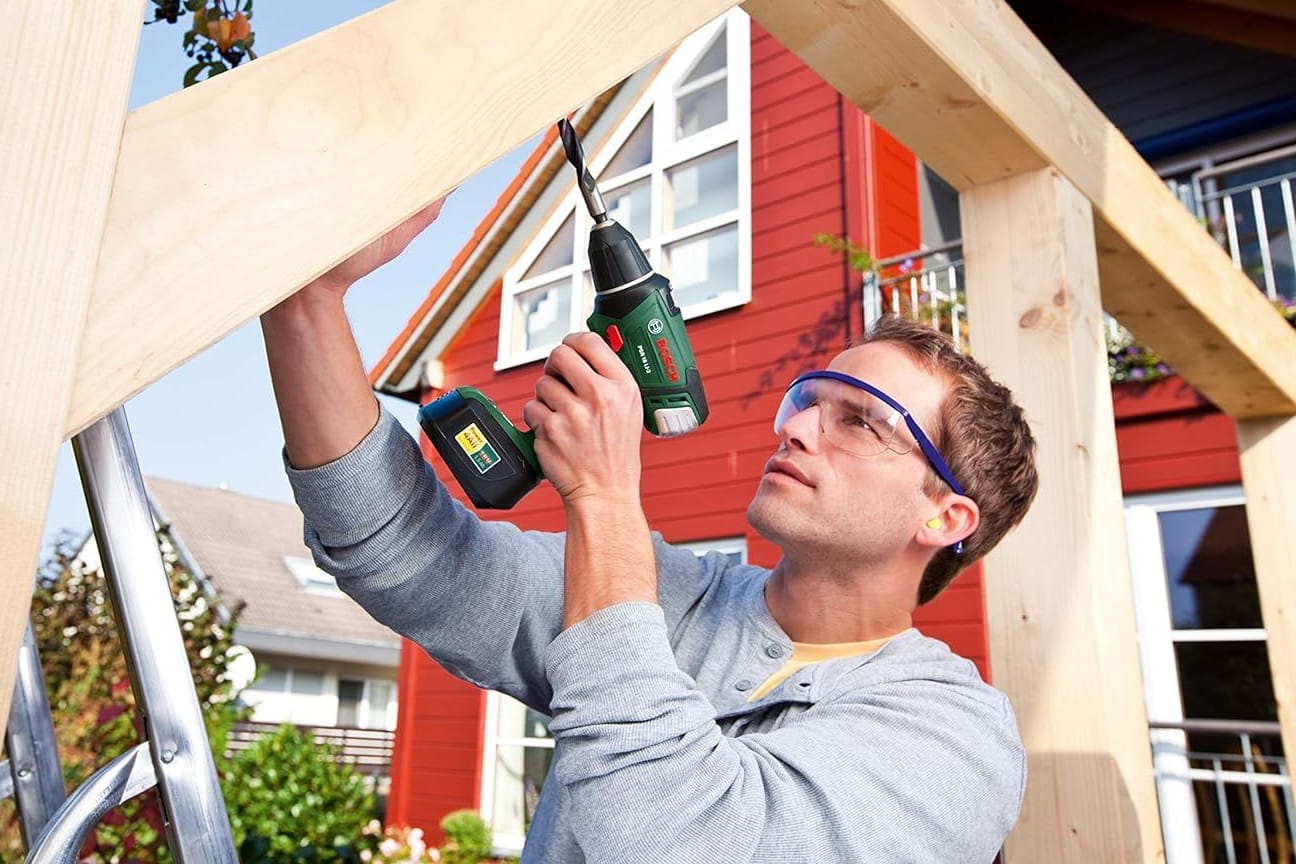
column 552, row 392
column 598, row 355
column 428, row 214
column 573, row 370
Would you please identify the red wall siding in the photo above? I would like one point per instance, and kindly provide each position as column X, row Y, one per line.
column 1170, row 437
column 436, row 758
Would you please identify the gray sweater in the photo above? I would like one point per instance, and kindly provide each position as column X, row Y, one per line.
column 902, row 755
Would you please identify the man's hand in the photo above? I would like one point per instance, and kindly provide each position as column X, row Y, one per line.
column 325, row 403
column 588, row 420
column 587, row 416
column 335, row 283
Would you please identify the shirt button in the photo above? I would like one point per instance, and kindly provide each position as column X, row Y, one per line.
column 774, row 650
column 744, row 684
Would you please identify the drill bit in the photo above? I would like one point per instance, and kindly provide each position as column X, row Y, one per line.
column 584, row 179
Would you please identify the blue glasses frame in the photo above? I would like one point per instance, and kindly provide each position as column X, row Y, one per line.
column 929, row 450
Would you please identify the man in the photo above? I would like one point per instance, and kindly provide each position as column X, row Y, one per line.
column 702, row 711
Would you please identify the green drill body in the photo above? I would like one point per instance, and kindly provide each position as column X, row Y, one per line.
column 636, row 315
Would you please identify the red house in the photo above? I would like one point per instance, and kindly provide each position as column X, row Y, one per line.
column 726, row 159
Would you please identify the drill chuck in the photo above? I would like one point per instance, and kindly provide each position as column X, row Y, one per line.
column 615, row 258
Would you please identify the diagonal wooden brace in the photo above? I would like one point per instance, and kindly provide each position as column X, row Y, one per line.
column 233, row 194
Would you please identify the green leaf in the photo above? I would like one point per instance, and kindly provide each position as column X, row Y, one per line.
column 191, row 74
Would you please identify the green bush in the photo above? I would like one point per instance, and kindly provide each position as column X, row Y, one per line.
column 289, row 800
column 468, row 839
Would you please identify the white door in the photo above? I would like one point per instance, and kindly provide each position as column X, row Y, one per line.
column 1221, row 780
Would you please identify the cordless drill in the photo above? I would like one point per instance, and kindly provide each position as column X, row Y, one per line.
column 636, row 315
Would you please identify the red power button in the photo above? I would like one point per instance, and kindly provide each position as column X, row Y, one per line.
column 614, row 337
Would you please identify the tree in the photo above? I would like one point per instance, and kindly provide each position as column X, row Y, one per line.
column 93, row 707
column 219, row 37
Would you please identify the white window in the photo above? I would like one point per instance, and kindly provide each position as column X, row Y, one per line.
column 1206, row 677
column 518, row 751
column 312, row 579
column 285, row 695
column 366, row 703
column 733, row 548
column 311, row 697
column 677, row 175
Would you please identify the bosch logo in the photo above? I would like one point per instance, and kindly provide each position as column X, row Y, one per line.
column 668, row 362
column 656, row 326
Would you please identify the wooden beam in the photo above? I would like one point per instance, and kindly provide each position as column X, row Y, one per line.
column 1268, row 454
column 63, row 99
column 234, row 193
column 1066, row 628
column 968, row 88
column 1272, row 34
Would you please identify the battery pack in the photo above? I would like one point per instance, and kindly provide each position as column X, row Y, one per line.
column 493, row 462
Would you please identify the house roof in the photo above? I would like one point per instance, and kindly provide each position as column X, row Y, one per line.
column 397, row 372
column 240, row 543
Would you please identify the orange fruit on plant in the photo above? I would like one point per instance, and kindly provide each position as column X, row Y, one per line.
column 240, row 29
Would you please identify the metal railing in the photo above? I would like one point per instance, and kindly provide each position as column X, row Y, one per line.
column 1240, row 788
column 369, row 751
column 1247, row 205
column 925, row 285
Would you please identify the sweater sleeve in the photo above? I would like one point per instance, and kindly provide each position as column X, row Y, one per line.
column 908, row 771
column 482, row 598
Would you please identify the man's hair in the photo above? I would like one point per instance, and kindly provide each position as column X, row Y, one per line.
column 983, row 436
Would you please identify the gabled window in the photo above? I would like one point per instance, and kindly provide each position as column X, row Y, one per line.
column 677, row 174
column 312, row 579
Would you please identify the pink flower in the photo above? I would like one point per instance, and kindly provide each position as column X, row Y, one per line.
column 389, row 847
column 365, row 855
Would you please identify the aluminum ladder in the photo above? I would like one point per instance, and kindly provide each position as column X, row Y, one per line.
column 175, row 755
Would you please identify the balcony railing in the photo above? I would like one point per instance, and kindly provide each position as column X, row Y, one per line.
column 1247, row 205
column 924, row 285
column 1234, row 776
column 367, row 750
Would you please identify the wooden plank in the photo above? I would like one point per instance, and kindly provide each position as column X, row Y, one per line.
column 1267, row 449
column 1059, row 604
column 234, row 193
column 968, row 88
column 63, row 95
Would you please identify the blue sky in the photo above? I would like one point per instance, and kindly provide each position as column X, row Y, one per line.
column 213, row 420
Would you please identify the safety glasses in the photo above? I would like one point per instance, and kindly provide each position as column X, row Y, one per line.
column 858, row 418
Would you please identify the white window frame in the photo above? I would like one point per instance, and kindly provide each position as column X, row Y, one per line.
column 1157, row 637
column 502, row 843
column 668, row 153
column 310, row 577
column 320, row 705
column 726, row 545
column 368, row 715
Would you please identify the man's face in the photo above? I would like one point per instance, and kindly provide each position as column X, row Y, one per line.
column 816, row 498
